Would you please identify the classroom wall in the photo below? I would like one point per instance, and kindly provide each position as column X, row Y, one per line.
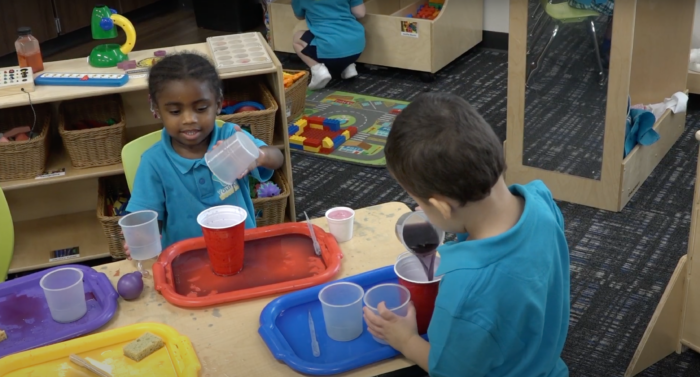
column 696, row 26
column 496, row 15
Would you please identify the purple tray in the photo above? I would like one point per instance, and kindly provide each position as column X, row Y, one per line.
column 25, row 316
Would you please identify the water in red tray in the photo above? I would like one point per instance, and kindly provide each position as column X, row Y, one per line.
column 267, row 261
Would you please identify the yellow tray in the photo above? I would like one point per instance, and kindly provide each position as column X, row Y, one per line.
column 177, row 358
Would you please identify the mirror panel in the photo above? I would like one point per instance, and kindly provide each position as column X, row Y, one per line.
column 566, row 86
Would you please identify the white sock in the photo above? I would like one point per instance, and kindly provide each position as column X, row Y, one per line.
column 319, row 77
column 349, row 72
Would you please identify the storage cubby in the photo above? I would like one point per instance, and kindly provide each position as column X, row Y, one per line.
column 428, row 47
column 59, row 212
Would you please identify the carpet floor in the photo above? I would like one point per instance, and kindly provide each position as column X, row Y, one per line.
column 620, row 262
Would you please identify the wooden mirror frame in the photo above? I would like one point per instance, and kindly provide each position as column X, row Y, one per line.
column 649, row 61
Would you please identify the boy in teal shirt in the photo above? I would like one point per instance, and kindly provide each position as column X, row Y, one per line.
column 503, row 304
column 335, row 38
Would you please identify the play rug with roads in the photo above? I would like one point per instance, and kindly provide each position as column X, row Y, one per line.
column 369, row 119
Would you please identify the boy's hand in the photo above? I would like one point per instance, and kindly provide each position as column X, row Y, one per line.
column 235, row 127
column 394, row 329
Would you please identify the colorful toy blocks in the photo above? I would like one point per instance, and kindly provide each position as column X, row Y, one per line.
column 318, row 134
column 327, row 142
column 333, row 124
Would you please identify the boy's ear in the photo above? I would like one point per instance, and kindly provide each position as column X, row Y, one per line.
column 442, row 205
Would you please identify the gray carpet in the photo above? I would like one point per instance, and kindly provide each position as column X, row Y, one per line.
column 620, row 262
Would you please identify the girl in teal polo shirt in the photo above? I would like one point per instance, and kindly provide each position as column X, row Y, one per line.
column 173, row 179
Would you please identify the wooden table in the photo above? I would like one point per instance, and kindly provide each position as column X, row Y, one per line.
column 226, row 338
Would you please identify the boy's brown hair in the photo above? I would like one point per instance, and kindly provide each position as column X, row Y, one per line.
column 440, row 145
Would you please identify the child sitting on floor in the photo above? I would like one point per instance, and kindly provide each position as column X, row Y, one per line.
column 503, row 304
column 173, row 179
column 334, row 41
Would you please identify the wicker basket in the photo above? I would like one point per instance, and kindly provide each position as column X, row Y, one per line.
column 110, row 224
column 24, row 159
column 271, row 210
column 295, row 96
column 261, row 123
column 98, row 146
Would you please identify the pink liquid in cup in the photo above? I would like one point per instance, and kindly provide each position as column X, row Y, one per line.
column 340, row 214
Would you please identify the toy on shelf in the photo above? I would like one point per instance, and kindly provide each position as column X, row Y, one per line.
column 115, row 202
column 102, row 25
column 318, row 134
column 16, row 134
column 239, row 52
column 127, row 64
column 290, row 79
column 429, row 12
column 231, row 107
column 87, row 124
column 267, row 190
column 16, row 80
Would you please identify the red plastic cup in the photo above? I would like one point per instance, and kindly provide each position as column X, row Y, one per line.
column 411, row 275
column 224, row 232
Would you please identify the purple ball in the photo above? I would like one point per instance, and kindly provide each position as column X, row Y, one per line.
column 130, row 286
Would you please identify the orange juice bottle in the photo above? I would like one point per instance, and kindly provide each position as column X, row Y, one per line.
column 28, row 51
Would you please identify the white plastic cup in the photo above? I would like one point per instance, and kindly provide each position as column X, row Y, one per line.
column 64, row 293
column 341, row 221
column 342, row 310
column 395, row 297
column 230, row 159
column 141, row 234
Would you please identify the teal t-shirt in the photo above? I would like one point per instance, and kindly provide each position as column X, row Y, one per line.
column 503, row 304
column 179, row 188
column 338, row 33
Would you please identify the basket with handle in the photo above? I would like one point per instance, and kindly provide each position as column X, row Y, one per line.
column 94, row 146
column 107, row 187
column 24, row 159
column 270, row 211
column 295, row 95
column 261, row 122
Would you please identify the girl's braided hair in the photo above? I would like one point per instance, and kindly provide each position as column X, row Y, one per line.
column 183, row 66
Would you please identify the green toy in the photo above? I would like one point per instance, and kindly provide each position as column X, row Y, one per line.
column 102, row 25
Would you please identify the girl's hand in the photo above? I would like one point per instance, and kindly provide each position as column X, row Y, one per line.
column 235, row 127
column 254, row 165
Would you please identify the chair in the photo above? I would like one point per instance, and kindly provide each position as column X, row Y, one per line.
column 131, row 153
column 7, row 237
column 562, row 14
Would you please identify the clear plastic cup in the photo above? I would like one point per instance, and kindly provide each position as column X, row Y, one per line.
column 394, row 296
column 142, row 235
column 342, row 310
column 341, row 222
column 232, row 157
column 64, row 293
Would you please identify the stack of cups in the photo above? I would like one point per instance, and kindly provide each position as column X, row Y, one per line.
column 224, row 234
column 341, row 222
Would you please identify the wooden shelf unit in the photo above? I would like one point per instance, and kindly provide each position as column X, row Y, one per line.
column 675, row 324
column 60, row 212
column 647, row 75
column 458, row 28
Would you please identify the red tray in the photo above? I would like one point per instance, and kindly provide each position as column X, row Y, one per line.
column 278, row 258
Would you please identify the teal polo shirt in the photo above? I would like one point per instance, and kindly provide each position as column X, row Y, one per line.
column 338, row 34
column 503, row 304
column 179, row 188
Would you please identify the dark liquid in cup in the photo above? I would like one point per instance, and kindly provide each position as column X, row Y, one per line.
column 421, row 238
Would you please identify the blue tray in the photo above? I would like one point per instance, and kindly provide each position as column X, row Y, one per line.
column 25, row 316
column 284, row 326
